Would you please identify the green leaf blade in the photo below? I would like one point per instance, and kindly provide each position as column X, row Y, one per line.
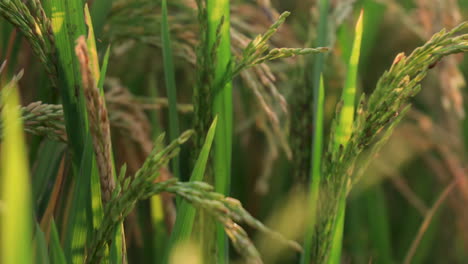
column 16, row 208
column 169, row 73
column 56, row 252
column 315, row 173
column 186, row 213
column 218, row 12
column 343, row 134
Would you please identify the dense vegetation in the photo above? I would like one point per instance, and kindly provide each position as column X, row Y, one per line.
column 216, row 131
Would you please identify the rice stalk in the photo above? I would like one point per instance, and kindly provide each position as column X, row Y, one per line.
column 186, row 214
column 302, row 114
column 344, row 130
column 315, row 174
column 375, row 121
column 219, row 41
column 261, row 80
column 127, row 192
column 171, row 91
column 142, row 186
column 68, row 24
column 98, row 122
column 32, row 21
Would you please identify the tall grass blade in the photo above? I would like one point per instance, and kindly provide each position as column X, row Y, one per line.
column 41, row 254
column 322, row 41
column 96, row 203
column 91, row 43
column 99, row 74
column 337, row 242
column 105, row 64
column 80, row 222
column 346, row 117
column 218, row 12
column 68, row 24
column 315, row 174
column 317, row 141
column 169, row 73
column 57, row 255
column 15, row 202
column 118, row 250
column 344, row 131
column 186, row 213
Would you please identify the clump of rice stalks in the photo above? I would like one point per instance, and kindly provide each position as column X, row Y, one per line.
column 44, row 120
column 328, row 17
column 256, row 52
column 375, row 121
column 90, row 219
column 32, row 21
column 142, row 185
column 128, row 191
column 261, row 80
column 38, row 118
column 213, row 94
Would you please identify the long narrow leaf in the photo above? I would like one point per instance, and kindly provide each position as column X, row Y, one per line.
column 317, row 85
column 68, row 24
column 80, row 224
column 15, row 202
column 40, row 247
column 169, row 73
column 343, row 133
column 99, row 74
column 218, row 12
column 346, row 117
column 186, row 212
column 56, row 252
column 315, row 173
column 96, row 202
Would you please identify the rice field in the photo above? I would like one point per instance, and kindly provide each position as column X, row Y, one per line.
column 216, row 131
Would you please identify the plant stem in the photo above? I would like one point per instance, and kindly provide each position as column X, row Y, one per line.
column 218, row 11
column 169, row 73
column 343, row 134
column 314, row 190
column 317, row 142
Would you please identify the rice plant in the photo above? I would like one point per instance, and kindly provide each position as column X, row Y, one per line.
column 298, row 131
